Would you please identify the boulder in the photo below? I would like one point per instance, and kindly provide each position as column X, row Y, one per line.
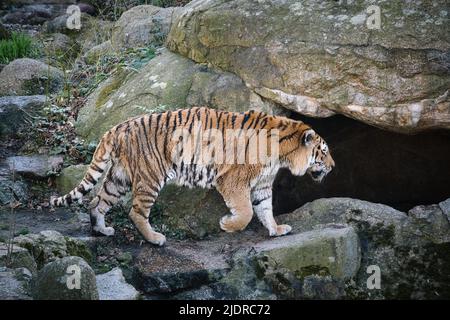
column 167, row 82
column 14, row 284
column 49, row 245
column 112, row 286
column 14, row 110
column 181, row 266
column 33, row 13
column 69, row 278
column 193, row 213
column 59, row 44
column 409, row 250
column 322, row 58
column 16, row 257
column 142, row 26
column 70, row 177
column 35, row 166
column 30, row 77
column 11, row 191
column 333, row 251
column 98, row 51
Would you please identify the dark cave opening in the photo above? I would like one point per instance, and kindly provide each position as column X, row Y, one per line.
column 372, row 164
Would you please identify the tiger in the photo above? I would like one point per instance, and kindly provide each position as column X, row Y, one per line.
column 144, row 153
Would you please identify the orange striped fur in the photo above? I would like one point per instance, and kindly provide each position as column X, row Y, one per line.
column 145, row 155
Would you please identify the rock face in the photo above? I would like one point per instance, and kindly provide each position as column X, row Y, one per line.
column 37, row 166
column 321, row 58
column 29, row 77
column 112, row 286
column 13, row 108
column 141, row 26
column 55, row 281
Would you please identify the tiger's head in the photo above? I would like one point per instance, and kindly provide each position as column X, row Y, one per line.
column 307, row 152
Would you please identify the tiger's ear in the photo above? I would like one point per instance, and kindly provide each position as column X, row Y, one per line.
column 308, row 137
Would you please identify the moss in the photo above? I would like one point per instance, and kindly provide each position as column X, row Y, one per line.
column 117, row 80
column 79, row 249
column 312, row 270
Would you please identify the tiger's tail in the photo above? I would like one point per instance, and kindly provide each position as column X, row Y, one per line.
column 98, row 164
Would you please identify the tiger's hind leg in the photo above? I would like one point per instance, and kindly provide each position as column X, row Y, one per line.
column 114, row 186
column 143, row 200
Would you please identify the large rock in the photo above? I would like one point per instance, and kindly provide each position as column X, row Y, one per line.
column 70, row 177
column 10, row 191
column 36, row 166
column 193, row 213
column 411, row 250
column 33, row 13
column 180, row 267
column 167, row 82
column 56, row 281
column 13, row 111
column 320, row 58
column 16, row 257
column 141, row 26
column 331, row 251
column 14, row 284
column 112, row 286
column 313, row 264
column 49, row 245
column 29, row 77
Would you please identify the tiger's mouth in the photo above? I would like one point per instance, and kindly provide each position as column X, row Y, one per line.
column 317, row 175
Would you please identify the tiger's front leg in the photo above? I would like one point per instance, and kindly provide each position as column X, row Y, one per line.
column 262, row 205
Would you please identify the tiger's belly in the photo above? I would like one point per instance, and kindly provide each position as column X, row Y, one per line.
column 193, row 175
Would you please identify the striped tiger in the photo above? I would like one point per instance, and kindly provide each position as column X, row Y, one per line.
column 148, row 151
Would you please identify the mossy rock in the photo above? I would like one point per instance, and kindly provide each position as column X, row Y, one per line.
column 70, row 177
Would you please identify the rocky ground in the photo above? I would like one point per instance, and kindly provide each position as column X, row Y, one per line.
column 56, row 101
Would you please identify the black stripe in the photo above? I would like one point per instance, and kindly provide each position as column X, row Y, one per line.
column 257, row 202
column 244, row 121
column 180, row 115
column 289, row 136
column 90, row 178
column 96, row 168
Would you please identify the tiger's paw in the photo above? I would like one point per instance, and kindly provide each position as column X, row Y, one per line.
column 227, row 224
column 105, row 231
column 282, row 229
column 157, row 238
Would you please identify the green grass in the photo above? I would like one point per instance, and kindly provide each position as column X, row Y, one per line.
column 19, row 46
